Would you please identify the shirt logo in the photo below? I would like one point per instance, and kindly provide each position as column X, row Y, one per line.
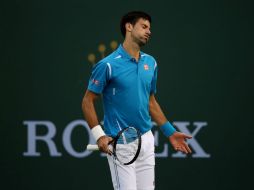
column 146, row 67
column 96, row 82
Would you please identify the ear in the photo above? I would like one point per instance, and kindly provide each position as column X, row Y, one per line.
column 128, row 27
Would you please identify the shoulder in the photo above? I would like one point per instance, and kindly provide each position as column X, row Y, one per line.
column 147, row 56
column 110, row 59
column 103, row 62
column 149, row 59
column 107, row 64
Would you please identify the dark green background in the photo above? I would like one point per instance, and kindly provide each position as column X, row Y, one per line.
column 204, row 50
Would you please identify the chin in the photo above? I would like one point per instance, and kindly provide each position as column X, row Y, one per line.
column 142, row 43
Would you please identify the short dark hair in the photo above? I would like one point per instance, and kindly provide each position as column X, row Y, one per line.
column 132, row 17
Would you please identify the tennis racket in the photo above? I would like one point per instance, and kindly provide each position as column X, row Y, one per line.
column 125, row 146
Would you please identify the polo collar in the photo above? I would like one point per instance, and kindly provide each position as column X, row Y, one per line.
column 125, row 54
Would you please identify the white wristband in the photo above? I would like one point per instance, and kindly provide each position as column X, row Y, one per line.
column 97, row 132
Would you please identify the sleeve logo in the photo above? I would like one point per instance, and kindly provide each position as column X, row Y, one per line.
column 96, row 82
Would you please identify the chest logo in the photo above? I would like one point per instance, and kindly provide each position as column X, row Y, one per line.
column 146, row 67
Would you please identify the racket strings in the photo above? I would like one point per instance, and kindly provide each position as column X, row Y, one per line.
column 127, row 145
column 126, row 152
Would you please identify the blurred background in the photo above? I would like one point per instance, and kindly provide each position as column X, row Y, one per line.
column 204, row 51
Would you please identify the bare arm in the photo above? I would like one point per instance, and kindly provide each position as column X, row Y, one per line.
column 92, row 119
column 177, row 139
column 89, row 110
column 156, row 112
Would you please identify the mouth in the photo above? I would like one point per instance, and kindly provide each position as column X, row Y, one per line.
column 147, row 37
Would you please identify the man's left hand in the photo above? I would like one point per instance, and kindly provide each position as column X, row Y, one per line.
column 178, row 141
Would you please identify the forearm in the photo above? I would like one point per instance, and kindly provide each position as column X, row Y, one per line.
column 159, row 117
column 91, row 116
column 89, row 111
column 156, row 112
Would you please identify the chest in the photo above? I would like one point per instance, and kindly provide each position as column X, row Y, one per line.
column 128, row 75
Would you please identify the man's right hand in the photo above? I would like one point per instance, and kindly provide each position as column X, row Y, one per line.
column 103, row 144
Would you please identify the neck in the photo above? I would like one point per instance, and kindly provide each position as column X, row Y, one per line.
column 133, row 49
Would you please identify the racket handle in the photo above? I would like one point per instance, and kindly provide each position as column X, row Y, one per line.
column 92, row 147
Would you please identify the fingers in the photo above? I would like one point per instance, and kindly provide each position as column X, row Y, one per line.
column 188, row 149
column 110, row 140
column 105, row 149
column 183, row 147
column 109, row 151
column 103, row 144
column 184, row 150
column 187, row 136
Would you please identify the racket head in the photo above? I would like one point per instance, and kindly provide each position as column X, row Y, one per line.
column 127, row 145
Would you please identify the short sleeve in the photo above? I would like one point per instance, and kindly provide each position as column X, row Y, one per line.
column 99, row 78
column 154, row 80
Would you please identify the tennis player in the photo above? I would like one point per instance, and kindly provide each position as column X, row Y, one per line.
column 126, row 79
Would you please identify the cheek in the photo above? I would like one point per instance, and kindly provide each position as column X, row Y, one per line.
column 141, row 32
column 136, row 33
column 138, row 30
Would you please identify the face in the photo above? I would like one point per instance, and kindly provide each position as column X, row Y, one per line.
column 140, row 32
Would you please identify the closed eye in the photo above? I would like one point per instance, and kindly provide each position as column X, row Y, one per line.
column 144, row 26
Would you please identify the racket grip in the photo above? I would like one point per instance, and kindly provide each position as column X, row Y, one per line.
column 92, row 147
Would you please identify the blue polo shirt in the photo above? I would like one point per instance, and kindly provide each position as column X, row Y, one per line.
column 126, row 86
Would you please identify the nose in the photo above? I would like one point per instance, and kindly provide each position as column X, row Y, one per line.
column 149, row 32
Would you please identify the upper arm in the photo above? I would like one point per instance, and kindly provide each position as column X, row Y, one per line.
column 99, row 77
column 90, row 97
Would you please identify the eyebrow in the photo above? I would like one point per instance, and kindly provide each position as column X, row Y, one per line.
column 145, row 25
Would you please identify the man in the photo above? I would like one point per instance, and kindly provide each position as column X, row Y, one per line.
column 127, row 80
